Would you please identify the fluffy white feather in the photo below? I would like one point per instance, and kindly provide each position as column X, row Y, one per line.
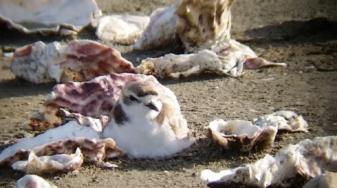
column 154, row 126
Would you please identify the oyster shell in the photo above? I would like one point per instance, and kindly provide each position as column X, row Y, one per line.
column 202, row 24
column 160, row 31
column 89, row 102
column 33, row 181
column 50, row 164
column 326, row 180
column 63, row 140
column 241, row 135
column 44, row 15
column 121, row 29
column 260, row 134
column 283, row 120
column 308, row 158
column 79, row 60
column 229, row 59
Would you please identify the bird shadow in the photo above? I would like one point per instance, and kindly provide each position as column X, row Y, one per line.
column 203, row 152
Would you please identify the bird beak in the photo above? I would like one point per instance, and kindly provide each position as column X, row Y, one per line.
column 152, row 106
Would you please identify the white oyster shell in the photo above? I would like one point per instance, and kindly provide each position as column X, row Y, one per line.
column 121, row 29
column 33, row 181
column 260, row 134
column 48, row 16
column 37, row 62
column 241, row 135
column 50, row 164
column 160, row 31
column 308, row 158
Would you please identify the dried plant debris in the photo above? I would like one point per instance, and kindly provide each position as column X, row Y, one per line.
column 79, row 60
column 308, row 159
column 33, row 181
column 121, row 29
column 64, row 17
column 260, row 134
column 50, row 164
column 61, row 140
column 230, row 60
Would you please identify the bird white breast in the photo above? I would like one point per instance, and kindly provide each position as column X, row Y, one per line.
column 145, row 139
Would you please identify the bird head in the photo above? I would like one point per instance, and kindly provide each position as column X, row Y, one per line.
column 141, row 99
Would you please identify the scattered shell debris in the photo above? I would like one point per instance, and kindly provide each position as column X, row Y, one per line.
column 43, row 16
column 260, row 134
column 231, row 62
column 80, row 60
column 308, row 159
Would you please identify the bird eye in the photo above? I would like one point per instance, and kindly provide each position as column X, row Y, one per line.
column 134, row 99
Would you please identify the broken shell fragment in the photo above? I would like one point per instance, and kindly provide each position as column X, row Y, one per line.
column 80, row 60
column 160, row 31
column 33, row 181
column 308, row 159
column 202, row 24
column 121, row 29
column 44, row 15
column 228, row 59
column 245, row 136
column 50, row 164
column 283, row 120
column 241, row 135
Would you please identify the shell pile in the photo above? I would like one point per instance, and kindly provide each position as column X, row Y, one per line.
column 203, row 27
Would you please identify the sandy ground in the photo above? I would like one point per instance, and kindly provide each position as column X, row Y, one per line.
column 279, row 30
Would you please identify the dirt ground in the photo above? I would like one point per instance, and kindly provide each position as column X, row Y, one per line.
column 279, row 30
